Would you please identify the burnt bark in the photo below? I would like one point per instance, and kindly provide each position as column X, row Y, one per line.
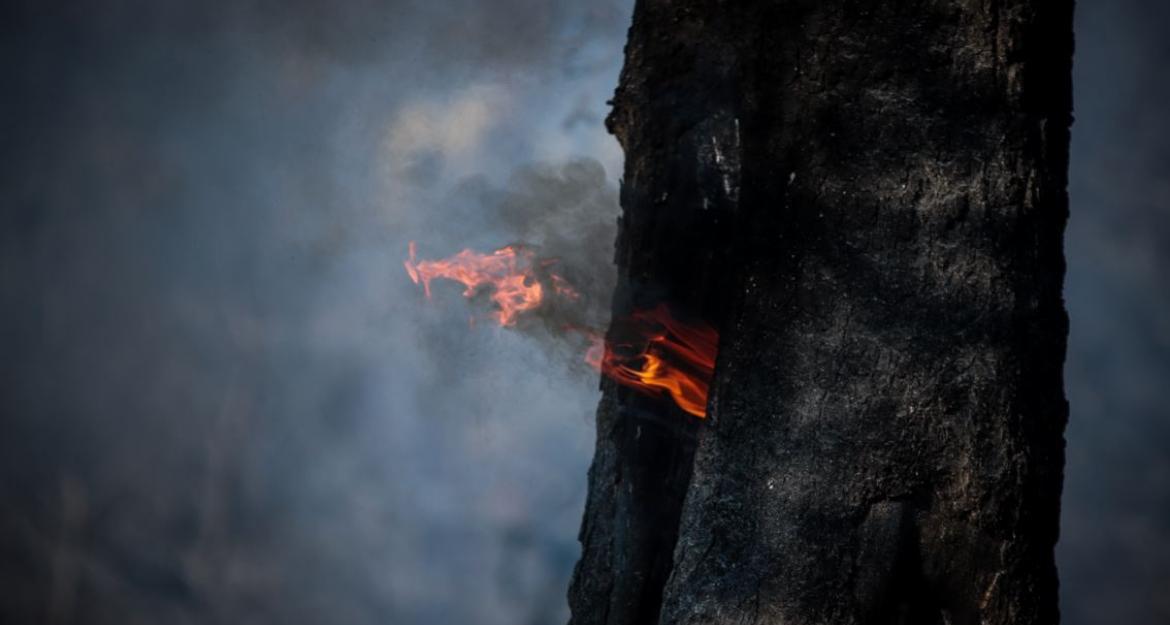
column 868, row 200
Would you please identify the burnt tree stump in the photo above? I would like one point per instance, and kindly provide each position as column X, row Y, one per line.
column 868, row 200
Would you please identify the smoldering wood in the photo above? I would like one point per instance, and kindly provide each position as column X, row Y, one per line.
column 868, row 200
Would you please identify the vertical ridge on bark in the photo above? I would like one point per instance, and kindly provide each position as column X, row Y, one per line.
column 868, row 199
column 676, row 194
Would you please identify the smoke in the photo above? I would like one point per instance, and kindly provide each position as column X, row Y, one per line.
column 580, row 236
column 565, row 216
column 1115, row 535
column 223, row 399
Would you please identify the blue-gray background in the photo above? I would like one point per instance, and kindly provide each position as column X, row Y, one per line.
column 222, row 400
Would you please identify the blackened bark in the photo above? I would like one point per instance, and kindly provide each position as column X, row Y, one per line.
column 868, row 199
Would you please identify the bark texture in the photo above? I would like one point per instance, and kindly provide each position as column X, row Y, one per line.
column 868, row 200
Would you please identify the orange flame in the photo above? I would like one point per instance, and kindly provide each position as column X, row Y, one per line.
column 665, row 355
column 676, row 358
column 508, row 271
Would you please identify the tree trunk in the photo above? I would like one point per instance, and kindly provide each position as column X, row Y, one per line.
column 868, row 200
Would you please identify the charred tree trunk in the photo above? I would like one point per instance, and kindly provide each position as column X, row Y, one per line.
column 868, row 200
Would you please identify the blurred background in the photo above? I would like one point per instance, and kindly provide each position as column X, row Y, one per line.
column 223, row 401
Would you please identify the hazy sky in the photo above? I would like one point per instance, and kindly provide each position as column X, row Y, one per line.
column 224, row 401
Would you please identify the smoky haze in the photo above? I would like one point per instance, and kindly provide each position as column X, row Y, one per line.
column 223, row 400
column 564, row 215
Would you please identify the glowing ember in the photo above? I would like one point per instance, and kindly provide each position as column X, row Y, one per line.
column 664, row 355
column 562, row 287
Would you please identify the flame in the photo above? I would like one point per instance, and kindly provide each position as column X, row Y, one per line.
column 657, row 354
column 564, row 289
column 674, row 357
column 508, row 271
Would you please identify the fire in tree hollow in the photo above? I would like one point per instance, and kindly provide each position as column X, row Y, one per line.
column 655, row 353
column 667, row 355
